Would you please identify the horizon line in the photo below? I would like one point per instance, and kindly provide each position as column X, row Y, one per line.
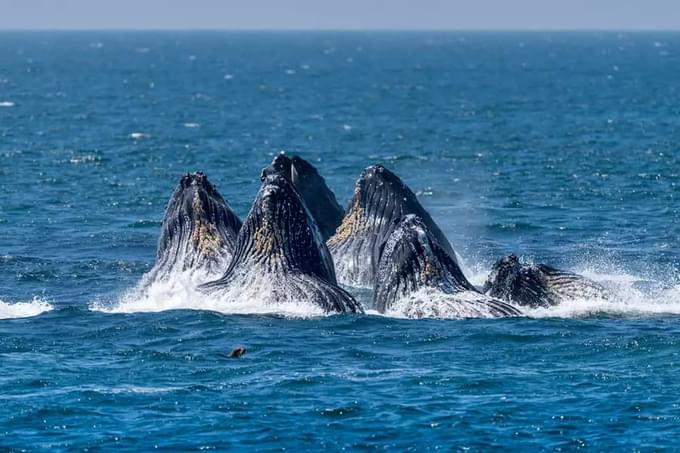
column 345, row 30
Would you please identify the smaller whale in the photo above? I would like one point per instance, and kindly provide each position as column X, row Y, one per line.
column 538, row 285
column 380, row 197
column 280, row 256
column 198, row 232
column 417, row 278
column 319, row 199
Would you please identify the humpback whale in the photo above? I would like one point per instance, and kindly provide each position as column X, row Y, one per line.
column 198, row 232
column 311, row 186
column 538, row 285
column 380, row 198
column 417, row 278
column 280, row 255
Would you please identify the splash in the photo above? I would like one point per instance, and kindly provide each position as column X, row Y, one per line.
column 23, row 309
column 633, row 294
column 179, row 292
column 429, row 302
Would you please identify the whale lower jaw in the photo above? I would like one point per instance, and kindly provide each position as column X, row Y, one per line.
column 203, row 266
column 433, row 303
column 271, row 289
column 352, row 258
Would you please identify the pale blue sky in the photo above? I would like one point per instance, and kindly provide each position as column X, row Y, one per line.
column 340, row 14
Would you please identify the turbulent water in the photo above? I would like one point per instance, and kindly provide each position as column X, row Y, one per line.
column 562, row 148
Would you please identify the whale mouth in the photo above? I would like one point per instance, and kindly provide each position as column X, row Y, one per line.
column 416, row 277
column 380, row 197
column 317, row 197
column 280, row 255
column 199, row 228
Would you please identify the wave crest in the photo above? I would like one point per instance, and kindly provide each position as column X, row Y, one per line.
column 24, row 309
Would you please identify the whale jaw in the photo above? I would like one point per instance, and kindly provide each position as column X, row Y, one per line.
column 280, row 256
column 416, row 278
column 380, row 197
column 318, row 198
column 199, row 229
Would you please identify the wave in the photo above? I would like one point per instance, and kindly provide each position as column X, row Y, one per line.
column 23, row 309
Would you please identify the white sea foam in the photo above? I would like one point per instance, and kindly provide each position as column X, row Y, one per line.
column 192, row 125
column 23, row 309
column 432, row 303
column 179, row 292
column 139, row 135
column 632, row 295
column 628, row 299
column 6, row 104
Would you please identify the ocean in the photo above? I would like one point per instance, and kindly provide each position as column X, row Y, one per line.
column 560, row 147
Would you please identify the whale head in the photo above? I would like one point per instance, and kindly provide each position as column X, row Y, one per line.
column 380, row 198
column 407, row 258
column 500, row 281
column 318, row 198
column 280, row 234
column 199, row 226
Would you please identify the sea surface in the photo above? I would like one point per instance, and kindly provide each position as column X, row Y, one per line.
column 561, row 147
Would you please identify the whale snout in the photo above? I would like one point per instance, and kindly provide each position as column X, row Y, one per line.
column 196, row 179
column 281, row 165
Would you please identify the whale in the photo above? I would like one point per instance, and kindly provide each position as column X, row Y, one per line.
column 280, row 256
column 198, row 232
column 318, row 198
column 416, row 277
column 380, row 197
column 538, row 285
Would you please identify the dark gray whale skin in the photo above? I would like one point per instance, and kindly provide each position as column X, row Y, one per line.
column 538, row 285
column 408, row 257
column 280, row 243
column 380, row 197
column 319, row 199
column 199, row 229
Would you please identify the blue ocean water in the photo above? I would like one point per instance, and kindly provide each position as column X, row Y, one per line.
column 561, row 147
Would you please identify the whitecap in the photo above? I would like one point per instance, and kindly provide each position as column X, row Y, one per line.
column 139, row 135
column 84, row 159
column 23, row 309
column 7, row 104
column 192, row 125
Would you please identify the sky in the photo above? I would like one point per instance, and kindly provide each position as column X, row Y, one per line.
column 341, row 14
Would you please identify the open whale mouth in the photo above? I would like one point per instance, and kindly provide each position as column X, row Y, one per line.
column 317, row 197
column 198, row 223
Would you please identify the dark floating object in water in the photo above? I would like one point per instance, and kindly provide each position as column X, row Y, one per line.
column 198, row 232
column 417, row 277
column 237, row 352
column 380, row 198
column 319, row 199
column 538, row 285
